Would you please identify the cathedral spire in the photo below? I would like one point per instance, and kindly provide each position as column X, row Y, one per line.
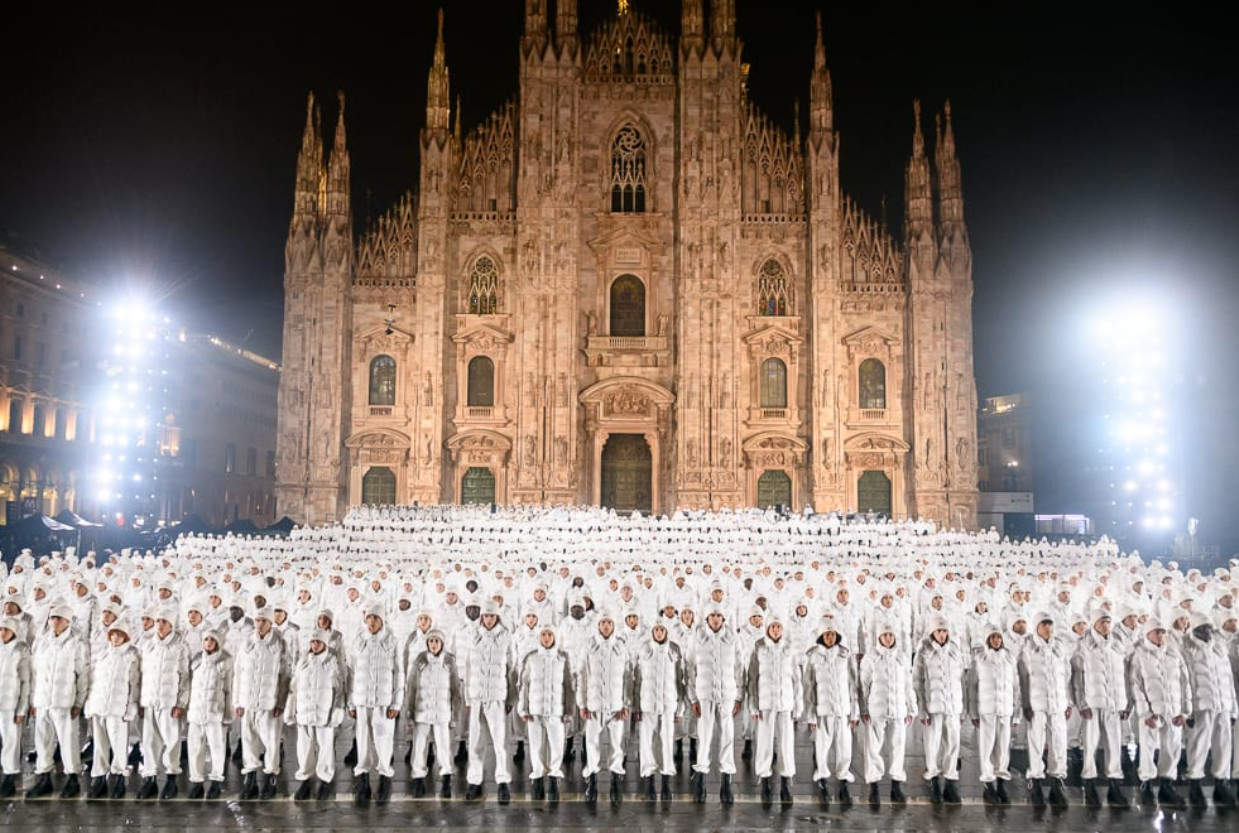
column 535, row 26
column 946, row 167
column 456, row 131
column 309, row 165
column 338, row 169
column 821, row 93
column 723, row 22
column 692, row 24
column 566, row 24
column 438, row 94
column 917, row 193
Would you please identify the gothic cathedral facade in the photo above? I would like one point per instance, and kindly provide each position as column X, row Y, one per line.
column 628, row 287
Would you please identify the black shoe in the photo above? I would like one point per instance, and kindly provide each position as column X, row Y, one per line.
column 214, row 789
column 1222, row 795
column 699, row 788
column 303, row 792
column 785, row 791
column 116, row 787
column 650, row 794
column 473, row 792
column 679, row 750
column 1146, row 794
column 1035, row 797
column 169, row 790
column 1114, row 795
column 72, row 787
column 990, row 794
column 196, row 790
column 1000, row 787
column 519, row 755
column 268, row 788
column 725, row 796
column 1057, row 797
column 1166, row 794
column 950, row 792
column 537, row 789
column 875, row 796
column 767, row 792
column 505, row 794
column 148, row 789
column 445, row 791
column 845, row 795
column 591, row 789
column 1196, row 793
column 935, row 790
column 350, row 757
column 8, row 786
column 383, row 794
column 249, row 786
column 324, row 791
column 552, row 790
column 617, row 791
column 823, row 792
column 419, row 787
column 462, row 754
column 1091, row 797
column 747, row 754
column 665, row 793
column 361, row 789
column 42, row 787
column 897, row 796
column 98, row 788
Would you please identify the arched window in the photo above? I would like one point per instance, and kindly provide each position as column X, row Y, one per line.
column 383, row 381
column 773, row 384
column 483, row 295
column 481, row 382
column 627, row 306
column 872, row 385
column 772, row 290
column 628, row 172
column 378, row 487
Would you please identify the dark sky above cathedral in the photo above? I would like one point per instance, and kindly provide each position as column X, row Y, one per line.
column 158, row 141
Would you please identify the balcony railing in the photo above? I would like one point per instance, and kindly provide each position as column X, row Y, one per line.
column 380, row 411
column 873, row 414
column 477, row 412
column 774, row 413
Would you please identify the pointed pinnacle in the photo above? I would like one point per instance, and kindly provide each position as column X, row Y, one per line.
column 918, row 139
column 340, row 139
column 440, row 50
column 819, row 51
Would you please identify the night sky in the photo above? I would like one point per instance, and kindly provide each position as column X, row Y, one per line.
column 156, row 145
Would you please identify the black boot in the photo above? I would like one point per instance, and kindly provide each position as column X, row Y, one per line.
column 845, row 795
column 72, row 787
column 747, row 754
column 169, row 790
column 699, row 788
column 897, row 796
column 650, row 794
column 537, row 789
column 1000, row 787
column 591, row 789
column 445, row 790
column 1196, row 793
column 519, row 755
column 552, row 790
column 303, row 792
column 196, row 790
column 1058, row 798
column 8, row 786
column 325, row 790
column 950, row 792
column 98, row 787
column 473, row 792
column 785, row 791
column 419, row 787
column 617, row 791
column 216, row 787
column 149, row 788
column 116, row 787
column 361, row 789
column 1091, row 797
column 384, row 792
column 249, row 786
column 1035, row 797
column 935, row 790
column 1222, row 794
column 268, row 788
column 767, row 792
column 350, row 757
column 990, row 794
column 1146, row 795
column 725, row 796
column 505, row 794
column 875, row 795
column 1114, row 795
column 1166, row 794
column 823, row 792
column 462, row 755
column 666, row 790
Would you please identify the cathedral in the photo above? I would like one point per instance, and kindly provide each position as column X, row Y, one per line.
column 629, row 287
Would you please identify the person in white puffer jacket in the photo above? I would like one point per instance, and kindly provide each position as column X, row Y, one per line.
column 375, row 699
column 165, row 696
column 775, row 700
column 259, row 690
column 1161, row 699
column 545, row 703
column 887, row 708
column 112, row 707
column 14, row 701
column 1045, row 675
column 831, row 709
column 315, row 707
column 993, row 697
column 210, row 709
column 714, row 691
column 60, row 684
column 433, row 694
column 938, row 674
column 490, row 693
column 1213, row 709
column 658, row 691
column 1099, row 686
column 604, row 696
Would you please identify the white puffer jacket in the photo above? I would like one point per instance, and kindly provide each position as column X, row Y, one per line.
column 377, row 680
column 1208, row 668
column 938, row 673
column 713, row 676
column 61, row 671
column 1158, row 682
column 315, row 692
column 1099, row 673
column 434, row 688
column 830, row 682
column 165, row 673
column 114, row 686
column 1045, row 674
column 774, row 679
column 993, row 683
column 488, row 673
column 14, row 678
column 658, row 678
column 545, row 684
column 259, row 679
column 605, row 684
column 886, row 691
column 210, row 688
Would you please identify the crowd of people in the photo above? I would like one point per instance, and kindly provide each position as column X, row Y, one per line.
column 534, row 637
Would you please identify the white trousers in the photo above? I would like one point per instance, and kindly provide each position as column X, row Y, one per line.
column 161, row 742
column 546, row 746
column 1166, row 740
column 316, row 753
column 994, row 747
column 878, row 733
column 775, row 728
column 111, row 753
column 376, row 740
column 1211, row 733
column 941, row 739
column 422, row 733
column 10, row 744
column 260, row 742
column 491, row 715
column 716, row 717
column 833, row 735
column 202, row 738
column 52, row 726
column 615, row 729
column 1047, row 736
column 1103, row 727
column 657, row 743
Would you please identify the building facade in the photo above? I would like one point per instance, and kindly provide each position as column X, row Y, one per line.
column 628, row 287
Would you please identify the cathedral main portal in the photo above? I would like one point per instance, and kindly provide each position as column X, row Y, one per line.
column 627, row 473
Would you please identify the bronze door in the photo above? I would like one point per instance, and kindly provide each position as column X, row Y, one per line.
column 873, row 493
column 627, row 473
